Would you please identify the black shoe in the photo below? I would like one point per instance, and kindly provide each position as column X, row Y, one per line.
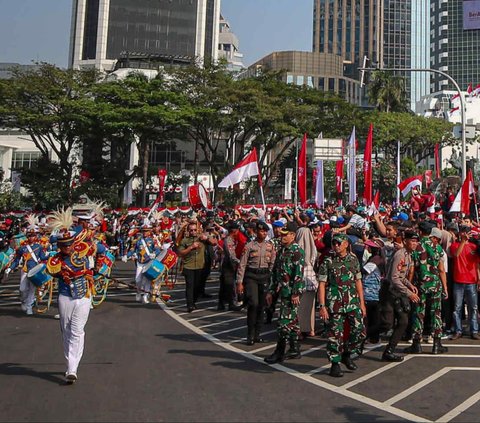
column 205, row 295
column 250, row 341
column 415, row 348
column 438, row 348
column 268, row 317
column 336, row 370
column 221, row 307
column 190, row 309
column 259, row 340
column 278, row 355
column 233, row 307
column 293, row 353
column 389, row 355
column 349, row 364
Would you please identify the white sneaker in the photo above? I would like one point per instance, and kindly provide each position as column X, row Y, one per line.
column 29, row 311
column 138, row 297
column 24, row 307
column 57, row 316
column 71, row 378
column 145, row 299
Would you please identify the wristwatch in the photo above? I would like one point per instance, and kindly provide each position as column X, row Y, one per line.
column 321, row 305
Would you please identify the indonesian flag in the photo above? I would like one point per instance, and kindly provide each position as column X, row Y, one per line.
column 476, row 91
column 339, row 176
column 247, row 168
column 367, row 168
column 302, row 171
column 455, row 98
column 373, row 208
column 462, row 200
column 470, row 90
column 455, row 109
column 408, row 184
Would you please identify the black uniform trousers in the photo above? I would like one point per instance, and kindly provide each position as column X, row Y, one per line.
column 193, row 280
column 227, row 285
column 393, row 316
column 255, row 287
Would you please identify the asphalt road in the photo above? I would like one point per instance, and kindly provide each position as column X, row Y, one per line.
column 158, row 363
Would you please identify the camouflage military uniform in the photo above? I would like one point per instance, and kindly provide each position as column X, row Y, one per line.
column 343, row 303
column 270, row 310
column 287, row 280
column 427, row 258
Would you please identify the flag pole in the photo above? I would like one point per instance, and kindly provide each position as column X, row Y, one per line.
column 398, row 172
column 263, row 198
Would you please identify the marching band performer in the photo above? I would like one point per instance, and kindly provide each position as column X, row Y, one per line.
column 30, row 254
column 72, row 269
column 144, row 251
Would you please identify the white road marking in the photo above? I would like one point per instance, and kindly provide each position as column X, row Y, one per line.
column 376, row 372
column 221, row 323
column 228, row 346
column 183, row 305
column 460, row 408
column 407, row 392
column 236, row 341
column 210, row 315
column 197, row 311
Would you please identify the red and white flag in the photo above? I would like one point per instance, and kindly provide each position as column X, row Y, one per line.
column 339, row 177
column 367, row 168
column 462, row 200
column 408, row 184
column 476, row 91
column 302, row 171
column 247, row 168
column 470, row 90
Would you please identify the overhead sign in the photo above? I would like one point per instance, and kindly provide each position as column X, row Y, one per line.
column 471, row 14
column 327, row 149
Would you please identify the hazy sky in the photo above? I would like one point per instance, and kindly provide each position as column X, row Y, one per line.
column 39, row 30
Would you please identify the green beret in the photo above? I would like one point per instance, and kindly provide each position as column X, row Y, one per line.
column 340, row 237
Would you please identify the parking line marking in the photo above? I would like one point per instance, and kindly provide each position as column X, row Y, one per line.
column 460, row 408
column 425, row 382
column 209, row 315
column 221, row 323
column 196, row 311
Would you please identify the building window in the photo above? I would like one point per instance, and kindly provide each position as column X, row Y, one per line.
column 289, row 79
column 21, row 159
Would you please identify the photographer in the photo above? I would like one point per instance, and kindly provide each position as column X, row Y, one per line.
column 466, row 260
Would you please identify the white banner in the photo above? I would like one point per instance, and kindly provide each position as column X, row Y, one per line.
column 16, row 181
column 288, row 183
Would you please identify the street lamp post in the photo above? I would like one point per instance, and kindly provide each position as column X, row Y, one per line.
column 462, row 105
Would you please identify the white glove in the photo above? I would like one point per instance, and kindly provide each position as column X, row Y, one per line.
column 152, row 255
column 7, row 271
column 124, row 259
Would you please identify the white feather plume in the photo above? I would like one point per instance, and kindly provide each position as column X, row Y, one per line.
column 61, row 219
column 32, row 219
column 157, row 216
column 97, row 209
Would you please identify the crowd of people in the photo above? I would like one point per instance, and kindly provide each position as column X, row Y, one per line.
column 403, row 273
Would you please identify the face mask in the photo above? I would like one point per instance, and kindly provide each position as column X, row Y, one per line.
column 366, row 256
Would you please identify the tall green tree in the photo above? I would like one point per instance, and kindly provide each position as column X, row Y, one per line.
column 49, row 104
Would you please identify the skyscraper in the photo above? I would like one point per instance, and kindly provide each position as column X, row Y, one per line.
column 455, row 47
column 103, row 29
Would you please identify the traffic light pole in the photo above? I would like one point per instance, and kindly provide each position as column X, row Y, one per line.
column 462, row 104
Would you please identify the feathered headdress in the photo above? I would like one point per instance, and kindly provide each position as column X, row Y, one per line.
column 157, row 216
column 97, row 210
column 32, row 221
column 61, row 220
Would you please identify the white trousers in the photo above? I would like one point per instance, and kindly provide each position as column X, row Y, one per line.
column 27, row 290
column 73, row 318
column 143, row 284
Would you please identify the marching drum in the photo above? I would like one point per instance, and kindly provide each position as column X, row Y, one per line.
column 168, row 258
column 154, row 270
column 104, row 270
column 39, row 276
column 198, row 196
column 109, row 259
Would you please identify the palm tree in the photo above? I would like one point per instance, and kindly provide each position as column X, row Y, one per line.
column 387, row 91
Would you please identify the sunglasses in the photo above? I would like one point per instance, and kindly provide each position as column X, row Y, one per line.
column 337, row 242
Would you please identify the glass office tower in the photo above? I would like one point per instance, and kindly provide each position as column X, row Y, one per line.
column 455, row 50
column 103, row 29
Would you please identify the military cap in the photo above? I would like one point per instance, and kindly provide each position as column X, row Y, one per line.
column 262, row 225
column 411, row 235
column 340, row 237
column 425, row 227
column 289, row 227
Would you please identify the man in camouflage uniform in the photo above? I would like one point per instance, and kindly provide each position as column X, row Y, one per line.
column 431, row 282
column 278, row 225
column 289, row 284
column 340, row 295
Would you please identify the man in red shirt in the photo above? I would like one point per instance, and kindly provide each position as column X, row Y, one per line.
column 466, row 267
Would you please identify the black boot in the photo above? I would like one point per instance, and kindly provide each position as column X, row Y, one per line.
column 294, row 351
column 268, row 316
column 438, row 348
column 349, row 364
column 335, row 370
column 279, row 353
column 389, row 355
column 233, row 307
column 415, row 348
